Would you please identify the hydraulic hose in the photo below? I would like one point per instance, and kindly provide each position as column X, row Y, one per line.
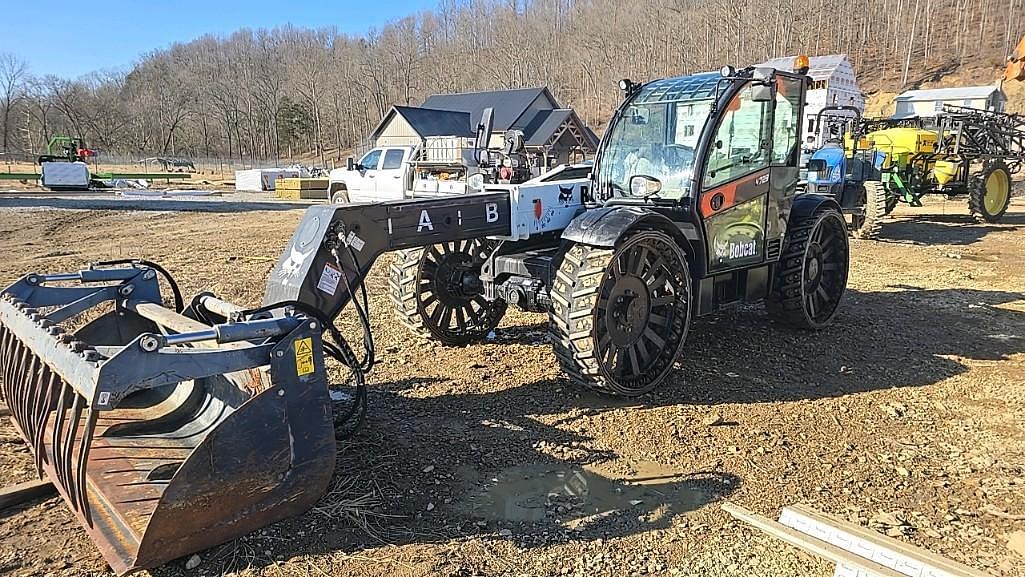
column 339, row 349
column 179, row 302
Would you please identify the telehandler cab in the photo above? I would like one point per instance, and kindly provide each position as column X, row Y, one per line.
column 169, row 431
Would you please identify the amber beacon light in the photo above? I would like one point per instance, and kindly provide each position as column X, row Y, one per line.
column 801, row 64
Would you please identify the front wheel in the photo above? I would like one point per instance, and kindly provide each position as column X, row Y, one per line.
column 811, row 276
column 620, row 316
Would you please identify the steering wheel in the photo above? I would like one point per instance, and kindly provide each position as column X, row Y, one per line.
column 677, row 155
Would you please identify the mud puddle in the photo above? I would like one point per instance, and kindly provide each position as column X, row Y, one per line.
column 574, row 496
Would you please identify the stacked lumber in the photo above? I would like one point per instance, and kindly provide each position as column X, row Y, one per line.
column 301, row 189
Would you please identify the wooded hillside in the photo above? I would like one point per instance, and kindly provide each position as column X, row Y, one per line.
column 279, row 93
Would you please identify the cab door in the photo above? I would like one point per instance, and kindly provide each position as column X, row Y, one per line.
column 749, row 175
column 389, row 179
column 362, row 183
column 735, row 182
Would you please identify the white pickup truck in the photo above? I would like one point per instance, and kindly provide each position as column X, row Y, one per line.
column 388, row 173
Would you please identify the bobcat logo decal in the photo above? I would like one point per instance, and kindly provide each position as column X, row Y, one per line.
column 565, row 194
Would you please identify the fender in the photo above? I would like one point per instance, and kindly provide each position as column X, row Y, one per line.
column 605, row 226
column 806, row 204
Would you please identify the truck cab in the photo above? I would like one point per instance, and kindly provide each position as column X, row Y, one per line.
column 383, row 173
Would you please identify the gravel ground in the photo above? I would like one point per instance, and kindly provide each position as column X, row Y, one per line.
column 906, row 416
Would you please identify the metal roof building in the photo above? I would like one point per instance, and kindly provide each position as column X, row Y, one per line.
column 833, row 82
column 550, row 132
column 510, row 105
column 423, row 122
column 927, row 103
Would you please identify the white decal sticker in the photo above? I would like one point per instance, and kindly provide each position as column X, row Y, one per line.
column 762, row 179
column 355, row 241
column 103, row 399
column 293, row 265
column 730, row 250
column 425, row 222
column 491, row 212
column 329, row 279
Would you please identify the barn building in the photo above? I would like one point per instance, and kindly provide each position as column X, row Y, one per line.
column 928, row 103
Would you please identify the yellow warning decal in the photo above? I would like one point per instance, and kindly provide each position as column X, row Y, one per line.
column 304, row 356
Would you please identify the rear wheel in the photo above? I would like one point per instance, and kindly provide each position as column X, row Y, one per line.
column 437, row 292
column 620, row 316
column 811, row 275
column 991, row 195
column 867, row 226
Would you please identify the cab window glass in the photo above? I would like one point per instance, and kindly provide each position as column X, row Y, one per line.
column 392, row 159
column 741, row 143
column 371, row 160
column 786, row 122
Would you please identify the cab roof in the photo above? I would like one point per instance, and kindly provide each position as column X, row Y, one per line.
column 694, row 87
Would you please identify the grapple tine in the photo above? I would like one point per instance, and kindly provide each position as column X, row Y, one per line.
column 83, row 456
column 58, row 432
column 67, row 449
column 47, row 406
column 10, row 358
column 5, row 335
column 6, row 353
column 31, row 387
column 18, row 381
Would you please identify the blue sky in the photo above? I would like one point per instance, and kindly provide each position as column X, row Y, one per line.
column 73, row 38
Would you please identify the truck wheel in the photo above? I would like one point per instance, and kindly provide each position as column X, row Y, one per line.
column 811, row 275
column 991, row 194
column 437, row 292
column 620, row 316
column 340, row 196
column 868, row 225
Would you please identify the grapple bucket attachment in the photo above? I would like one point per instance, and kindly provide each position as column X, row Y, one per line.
column 165, row 435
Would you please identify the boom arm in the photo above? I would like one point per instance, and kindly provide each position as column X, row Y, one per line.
column 334, row 247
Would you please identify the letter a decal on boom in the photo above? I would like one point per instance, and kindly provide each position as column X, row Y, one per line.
column 425, row 222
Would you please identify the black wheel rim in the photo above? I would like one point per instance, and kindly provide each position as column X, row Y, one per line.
column 642, row 313
column 450, row 296
column 824, row 274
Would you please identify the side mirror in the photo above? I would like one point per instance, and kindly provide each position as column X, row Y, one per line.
column 350, row 164
column 761, row 92
column 644, row 185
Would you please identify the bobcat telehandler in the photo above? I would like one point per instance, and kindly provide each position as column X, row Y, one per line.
column 170, row 430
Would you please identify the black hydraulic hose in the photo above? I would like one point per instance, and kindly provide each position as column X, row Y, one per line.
column 341, row 352
column 362, row 311
column 179, row 302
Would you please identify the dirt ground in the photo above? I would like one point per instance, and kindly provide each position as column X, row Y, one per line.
column 908, row 415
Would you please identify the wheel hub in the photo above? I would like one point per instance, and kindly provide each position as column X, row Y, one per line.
column 813, row 266
column 629, row 309
column 996, row 192
column 456, row 281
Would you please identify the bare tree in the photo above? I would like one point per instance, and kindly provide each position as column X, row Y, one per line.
column 13, row 71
